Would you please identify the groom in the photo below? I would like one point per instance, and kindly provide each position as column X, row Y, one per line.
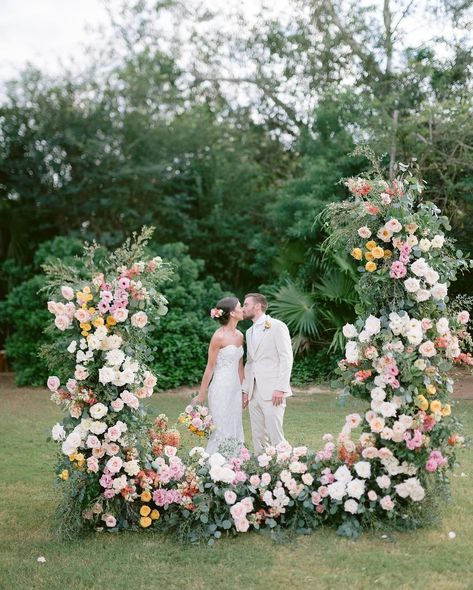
column 267, row 372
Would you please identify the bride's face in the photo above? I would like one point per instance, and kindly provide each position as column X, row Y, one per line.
column 237, row 313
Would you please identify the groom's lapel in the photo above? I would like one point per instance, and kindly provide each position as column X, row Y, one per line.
column 263, row 335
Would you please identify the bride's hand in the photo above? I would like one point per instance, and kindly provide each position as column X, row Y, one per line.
column 197, row 401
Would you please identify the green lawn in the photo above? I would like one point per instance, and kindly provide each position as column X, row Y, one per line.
column 424, row 559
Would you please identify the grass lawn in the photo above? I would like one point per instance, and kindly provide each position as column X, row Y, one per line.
column 424, row 559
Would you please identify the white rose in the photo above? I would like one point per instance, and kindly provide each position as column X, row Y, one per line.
column 352, row 352
column 72, row 347
column 412, row 240
column 393, row 225
column 427, row 349
column 106, row 375
column 432, row 276
column 372, row 325
column 115, row 357
column 438, row 241
column 378, row 394
column 422, row 295
column 420, row 267
column 81, row 373
column 132, row 467
column 411, row 285
column 363, row 469
column 349, row 331
column 351, row 506
column 98, row 427
column 98, row 411
column 58, row 433
column 439, row 291
column 336, row 490
column 356, row 488
column 343, row 474
column 425, row 245
column 442, row 326
column 114, row 464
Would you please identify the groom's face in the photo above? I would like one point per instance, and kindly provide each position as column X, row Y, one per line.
column 250, row 308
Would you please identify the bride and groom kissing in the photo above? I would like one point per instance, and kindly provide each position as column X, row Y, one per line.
column 262, row 384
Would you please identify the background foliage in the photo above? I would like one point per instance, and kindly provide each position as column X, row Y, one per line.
column 230, row 133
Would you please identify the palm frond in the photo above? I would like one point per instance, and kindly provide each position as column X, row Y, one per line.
column 297, row 308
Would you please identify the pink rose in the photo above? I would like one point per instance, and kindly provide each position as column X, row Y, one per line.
column 431, row 465
column 463, row 317
column 124, row 282
column 265, row 479
column 62, row 322
column 316, row 498
column 110, row 520
column 139, row 319
column 110, row 493
column 112, row 449
column 323, row 491
column 149, row 380
column 120, row 314
column 372, row 496
column 81, row 373
column 53, row 383
column 242, row 525
column 67, row 293
column 114, row 433
column 92, row 464
column 99, row 452
column 248, row 504
column 114, row 464
column 230, row 497
column 386, row 503
column 82, row 315
column 92, row 442
column 238, row 511
column 255, row 481
column 117, row 405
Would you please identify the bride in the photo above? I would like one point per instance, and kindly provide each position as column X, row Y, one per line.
column 223, row 377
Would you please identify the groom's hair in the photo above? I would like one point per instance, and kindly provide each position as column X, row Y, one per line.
column 259, row 299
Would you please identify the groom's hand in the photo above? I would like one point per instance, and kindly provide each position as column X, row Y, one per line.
column 244, row 400
column 278, row 398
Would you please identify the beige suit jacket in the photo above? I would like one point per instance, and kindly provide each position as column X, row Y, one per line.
column 269, row 365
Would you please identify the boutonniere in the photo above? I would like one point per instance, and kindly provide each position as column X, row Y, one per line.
column 266, row 325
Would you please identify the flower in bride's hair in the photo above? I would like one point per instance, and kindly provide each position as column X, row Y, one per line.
column 216, row 312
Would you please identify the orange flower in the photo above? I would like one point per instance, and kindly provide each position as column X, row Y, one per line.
column 369, row 256
column 371, row 244
column 357, row 253
column 155, row 514
column 145, row 521
column 370, row 266
column 145, row 496
column 377, row 252
column 145, row 510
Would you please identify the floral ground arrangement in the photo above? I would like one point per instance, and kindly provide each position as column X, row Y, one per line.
column 120, row 469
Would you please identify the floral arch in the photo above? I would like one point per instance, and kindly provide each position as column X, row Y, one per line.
column 119, row 469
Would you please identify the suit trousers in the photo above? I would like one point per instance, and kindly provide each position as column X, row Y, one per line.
column 266, row 422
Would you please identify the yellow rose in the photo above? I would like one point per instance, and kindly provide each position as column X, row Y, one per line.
column 145, row 521
column 422, row 402
column 86, row 327
column 98, row 322
column 370, row 266
column 446, row 410
column 79, row 457
column 86, row 290
column 145, row 496
column 111, row 321
column 371, row 244
column 64, row 475
column 369, row 256
column 155, row 514
column 72, row 457
column 91, row 310
column 357, row 253
column 431, row 389
column 145, row 510
column 84, row 334
column 377, row 252
column 88, row 297
column 387, row 254
column 435, row 406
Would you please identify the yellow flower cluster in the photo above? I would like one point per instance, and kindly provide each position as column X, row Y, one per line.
column 435, row 405
column 373, row 252
column 146, row 513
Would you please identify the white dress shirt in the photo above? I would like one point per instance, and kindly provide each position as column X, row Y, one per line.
column 257, row 331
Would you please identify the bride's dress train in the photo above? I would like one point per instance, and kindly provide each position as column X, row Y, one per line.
column 225, row 404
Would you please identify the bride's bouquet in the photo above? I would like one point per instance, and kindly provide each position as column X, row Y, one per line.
column 198, row 420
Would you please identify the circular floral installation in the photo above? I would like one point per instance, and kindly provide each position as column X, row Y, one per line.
column 119, row 469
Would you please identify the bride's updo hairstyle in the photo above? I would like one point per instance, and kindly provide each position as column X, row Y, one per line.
column 221, row 311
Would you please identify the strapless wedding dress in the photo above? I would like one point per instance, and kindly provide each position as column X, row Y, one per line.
column 225, row 403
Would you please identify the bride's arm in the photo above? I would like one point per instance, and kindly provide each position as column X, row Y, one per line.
column 214, row 347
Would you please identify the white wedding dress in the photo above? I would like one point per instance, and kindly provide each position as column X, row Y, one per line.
column 225, row 403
